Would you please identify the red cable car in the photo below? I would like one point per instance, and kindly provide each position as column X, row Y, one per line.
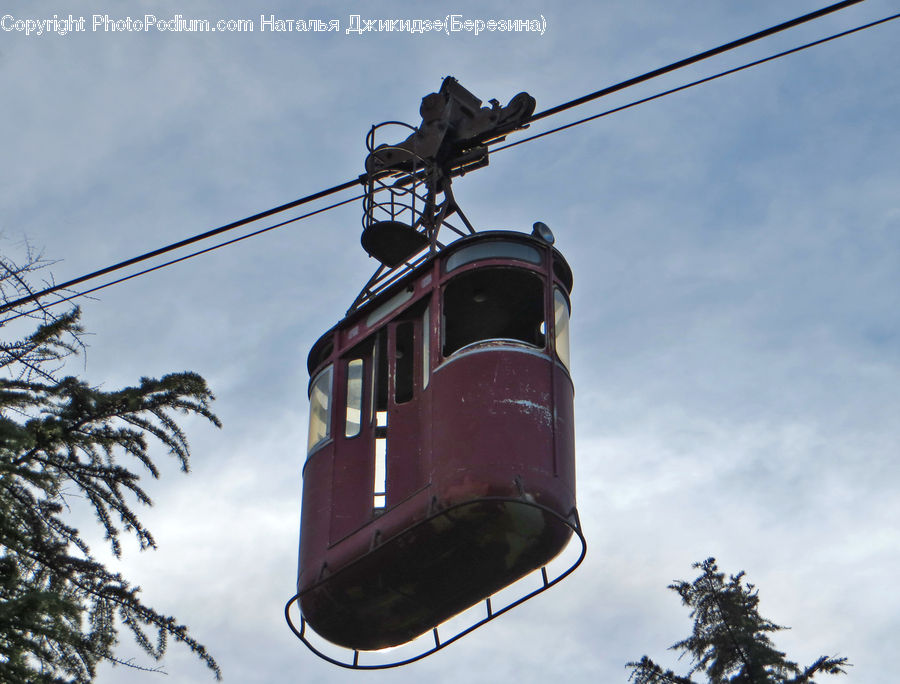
column 441, row 455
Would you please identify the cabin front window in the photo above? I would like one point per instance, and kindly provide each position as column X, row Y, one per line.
column 494, row 249
column 320, row 409
column 493, row 304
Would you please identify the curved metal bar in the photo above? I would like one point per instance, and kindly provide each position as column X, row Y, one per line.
column 492, row 613
column 370, row 136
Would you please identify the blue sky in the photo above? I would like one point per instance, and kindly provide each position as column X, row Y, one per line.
column 736, row 323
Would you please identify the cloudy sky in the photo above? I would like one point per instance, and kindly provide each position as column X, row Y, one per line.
column 736, row 310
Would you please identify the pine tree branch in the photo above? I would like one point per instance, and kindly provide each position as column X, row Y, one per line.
column 58, row 605
column 825, row 665
column 645, row 671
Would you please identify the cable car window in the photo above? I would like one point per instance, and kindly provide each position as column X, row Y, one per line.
column 562, row 271
column 561, row 315
column 493, row 303
column 380, row 372
column 426, row 346
column 354, row 398
column 320, row 409
column 379, row 494
column 394, row 302
column 491, row 250
column 403, row 357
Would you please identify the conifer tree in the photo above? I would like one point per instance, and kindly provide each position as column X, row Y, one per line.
column 730, row 642
column 62, row 440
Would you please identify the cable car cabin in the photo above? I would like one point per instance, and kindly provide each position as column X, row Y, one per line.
column 441, row 462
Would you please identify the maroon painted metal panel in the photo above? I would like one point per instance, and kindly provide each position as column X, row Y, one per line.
column 564, row 429
column 496, row 406
column 316, row 511
column 353, row 469
column 407, row 455
column 471, row 458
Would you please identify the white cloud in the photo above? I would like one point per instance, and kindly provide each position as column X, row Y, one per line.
column 735, row 325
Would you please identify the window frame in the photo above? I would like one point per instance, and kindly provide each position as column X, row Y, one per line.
column 559, row 295
column 539, row 278
column 360, row 379
column 324, row 422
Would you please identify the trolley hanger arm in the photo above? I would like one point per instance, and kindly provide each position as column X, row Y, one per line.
column 454, row 125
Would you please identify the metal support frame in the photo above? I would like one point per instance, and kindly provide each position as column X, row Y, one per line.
column 416, row 174
column 352, row 660
column 416, row 192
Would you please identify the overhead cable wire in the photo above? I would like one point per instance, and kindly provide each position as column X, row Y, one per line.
column 183, row 243
column 351, row 183
column 696, row 83
column 694, row 59
column 175, row 261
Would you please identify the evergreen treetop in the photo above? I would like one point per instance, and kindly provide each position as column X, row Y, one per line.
column 60, row 438
column 730, row 641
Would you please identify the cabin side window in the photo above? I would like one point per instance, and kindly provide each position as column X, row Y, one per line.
column 561, row 327
column 493, row 304
column 426, row 346
column 353, row 419
column 380, row 414
column 320, row 409
column 404, row 356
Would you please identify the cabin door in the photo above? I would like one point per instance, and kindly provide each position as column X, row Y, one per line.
column 408, row 415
